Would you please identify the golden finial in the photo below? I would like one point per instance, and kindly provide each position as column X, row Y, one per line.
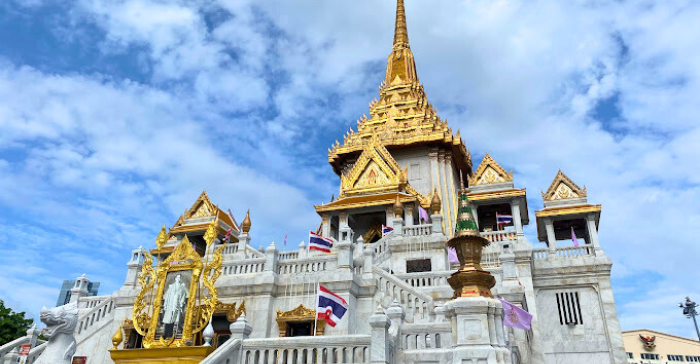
column 435, row 204
column 398, row 208
column 211, row 234
column 162, row 238
column 117, row 338
column 400, row 29
column 245, row 225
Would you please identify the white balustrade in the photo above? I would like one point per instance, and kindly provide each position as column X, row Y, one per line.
column 288, row 255
column 417, row 230
column 256, row 265
column 100, row 313
column 418, row 305
column 574, row 251
column 91, row 301
column 351, row 349
column 425, row 279
column 314, row 264
column 499, row 236
column 230, row 249
column 540, row 254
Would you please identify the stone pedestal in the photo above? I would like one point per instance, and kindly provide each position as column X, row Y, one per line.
column 475, row 335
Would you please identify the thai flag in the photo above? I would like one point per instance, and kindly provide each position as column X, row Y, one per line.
column 503, row 219
column 386, row 230
column 331, row 307
column 318, row 242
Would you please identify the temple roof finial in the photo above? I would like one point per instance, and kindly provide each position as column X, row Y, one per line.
column 400, row 30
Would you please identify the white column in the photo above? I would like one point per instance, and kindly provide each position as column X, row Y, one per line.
column 271, row 258
column 408, row 214
column 450, row 186
column 325, row 225
column 380, row 348
column 551, row 239
column 593, row 232
column 517, row 221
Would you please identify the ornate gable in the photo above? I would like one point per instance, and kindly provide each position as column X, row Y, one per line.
column 489, row 172
column 563, row 188
column 201, row 208
column 375, row 171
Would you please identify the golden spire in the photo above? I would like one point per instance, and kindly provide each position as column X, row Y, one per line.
column 400, row 30
column 398, row 208
column 245, row 225
column 435, row 204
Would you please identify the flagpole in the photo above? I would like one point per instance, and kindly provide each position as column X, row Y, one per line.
column 316, row 315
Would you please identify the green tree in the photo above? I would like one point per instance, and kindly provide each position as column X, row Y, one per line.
column 13, row 325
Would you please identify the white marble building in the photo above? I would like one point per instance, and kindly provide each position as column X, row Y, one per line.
column 401, row 310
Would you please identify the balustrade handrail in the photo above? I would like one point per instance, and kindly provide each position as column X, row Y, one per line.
column 307, row 342
column 36, row 351
column 254, row 251
column 223, row 352
column 500, row 235
column 418, row 230
column 96, row 308
column 11, row 345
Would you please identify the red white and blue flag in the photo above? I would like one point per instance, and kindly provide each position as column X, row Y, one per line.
column 331, row 307
column 386, row 230
column 503, row 219
column 318, row 242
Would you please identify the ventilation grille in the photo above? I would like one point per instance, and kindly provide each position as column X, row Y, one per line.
column 569, row 307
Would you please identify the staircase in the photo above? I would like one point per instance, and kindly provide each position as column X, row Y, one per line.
column 419, row 306
column 92, row 321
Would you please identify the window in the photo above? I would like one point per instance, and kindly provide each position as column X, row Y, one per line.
column 630, row 355
column 569, row 307
column 692, row 359
column 650, row 356
column 418, row 265
column 414, row 171
column 672, row 357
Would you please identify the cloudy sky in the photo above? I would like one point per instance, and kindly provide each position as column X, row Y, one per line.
column 116, row 114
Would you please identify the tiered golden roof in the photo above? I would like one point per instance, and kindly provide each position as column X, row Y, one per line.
column 402, row 116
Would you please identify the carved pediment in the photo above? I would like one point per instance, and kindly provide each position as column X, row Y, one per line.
column 375, row 171
column 563, row 188
column 490, row 172
column 201, row 208
column 299, row 314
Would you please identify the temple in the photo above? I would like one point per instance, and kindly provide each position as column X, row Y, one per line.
column 403, row 168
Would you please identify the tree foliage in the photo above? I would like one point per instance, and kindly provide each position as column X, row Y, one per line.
column 13, row 325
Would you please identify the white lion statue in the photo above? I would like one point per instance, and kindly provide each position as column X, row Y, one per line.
column 60, row 324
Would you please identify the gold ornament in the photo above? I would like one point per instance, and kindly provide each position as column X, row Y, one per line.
column 117, row 338
column 245, row 225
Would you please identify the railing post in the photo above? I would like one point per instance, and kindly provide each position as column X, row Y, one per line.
column 33, row 335
column 368, row 255
column 302, row 250
column 271, row 258
column 437, row 224
column 380, row 347
column 398, row 226
column 345, row 249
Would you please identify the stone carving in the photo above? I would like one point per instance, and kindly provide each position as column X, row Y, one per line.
column 60, row 324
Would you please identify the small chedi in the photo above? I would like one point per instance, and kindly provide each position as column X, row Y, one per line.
column 209, row 293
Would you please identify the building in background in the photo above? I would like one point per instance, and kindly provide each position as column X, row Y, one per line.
column 648, row 346
column 69, row 286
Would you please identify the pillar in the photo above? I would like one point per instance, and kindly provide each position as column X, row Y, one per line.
column 551, row 239
column 345, row 249
column 325, row 225
column 593, row 233
column 474, row 334
column 408, row 211
column 243, row 241
column 380, row 346
column 437, row 224
column 517, row 221
column 271, row 258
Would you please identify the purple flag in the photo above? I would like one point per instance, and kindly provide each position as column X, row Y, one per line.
column 515, row 316
column 423, row 215
column 573, row 237
column 452, row 256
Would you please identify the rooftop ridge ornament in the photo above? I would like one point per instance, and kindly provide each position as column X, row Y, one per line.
column 162, row 238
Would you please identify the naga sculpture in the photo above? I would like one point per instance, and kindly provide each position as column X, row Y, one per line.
column 60, row 324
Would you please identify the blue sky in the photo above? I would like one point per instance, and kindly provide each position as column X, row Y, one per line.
column 116, row 114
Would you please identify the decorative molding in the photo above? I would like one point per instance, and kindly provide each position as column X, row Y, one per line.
column 299, row 314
